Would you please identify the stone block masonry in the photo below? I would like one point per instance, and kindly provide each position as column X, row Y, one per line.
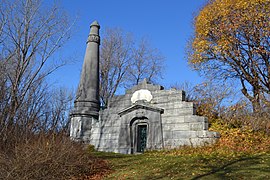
column 169, row 121
column 146, row 117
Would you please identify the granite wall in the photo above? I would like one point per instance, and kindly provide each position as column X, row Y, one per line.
column 170, row 120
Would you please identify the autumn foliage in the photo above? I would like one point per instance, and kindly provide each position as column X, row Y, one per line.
column 233, row 142
column 231, row 42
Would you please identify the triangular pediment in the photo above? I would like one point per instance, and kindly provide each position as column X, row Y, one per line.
column 140, row 106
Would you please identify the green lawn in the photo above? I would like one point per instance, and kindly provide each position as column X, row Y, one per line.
column 159, row 165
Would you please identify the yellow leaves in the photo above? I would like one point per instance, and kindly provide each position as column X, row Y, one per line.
column 243, row 140
column 219, row 23
column 201, row 45
column 218, row 12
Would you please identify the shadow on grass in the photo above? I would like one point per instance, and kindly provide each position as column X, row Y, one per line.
column 235, row 169
column 147, row 166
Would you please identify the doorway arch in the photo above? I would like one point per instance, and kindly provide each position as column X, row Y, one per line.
column 139, row 132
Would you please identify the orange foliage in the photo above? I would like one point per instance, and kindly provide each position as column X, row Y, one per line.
column 219, row 24
column 241, row 140
column 231, row 41
column 233, row 142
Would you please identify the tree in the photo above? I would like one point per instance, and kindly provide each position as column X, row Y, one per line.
column 209, row 97
column 147, row 63
column 124, row 63
column 232, row 41
column 115, row 60
column 188, row 87
column 30, row 34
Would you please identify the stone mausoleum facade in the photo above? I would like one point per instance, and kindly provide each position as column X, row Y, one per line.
column 146, row 117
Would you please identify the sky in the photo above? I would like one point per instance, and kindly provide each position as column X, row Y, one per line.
column 166, row 23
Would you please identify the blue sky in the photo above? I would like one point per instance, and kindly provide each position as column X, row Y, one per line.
column 166, row 23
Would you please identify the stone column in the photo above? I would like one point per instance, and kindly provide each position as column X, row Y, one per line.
column 86, row 105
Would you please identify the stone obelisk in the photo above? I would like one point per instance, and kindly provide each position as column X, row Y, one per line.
column 86, row 105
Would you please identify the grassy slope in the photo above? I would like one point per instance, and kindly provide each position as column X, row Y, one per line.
column 167, row 166
column 239, row 154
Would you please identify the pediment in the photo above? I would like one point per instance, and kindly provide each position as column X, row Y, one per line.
column 140, row 106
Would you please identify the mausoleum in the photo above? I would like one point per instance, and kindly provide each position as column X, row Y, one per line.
column 146, row 117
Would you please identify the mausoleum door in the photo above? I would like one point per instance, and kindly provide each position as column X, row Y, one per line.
column 139, row 129
column 141, row 138
column 145, row 130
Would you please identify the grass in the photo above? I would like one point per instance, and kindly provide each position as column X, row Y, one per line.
column 159, row 165
column 239, row 154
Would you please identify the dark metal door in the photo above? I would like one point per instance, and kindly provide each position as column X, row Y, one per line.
column 141, row 138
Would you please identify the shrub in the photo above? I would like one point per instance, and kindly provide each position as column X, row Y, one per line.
column 234, row 142
column 48, row 157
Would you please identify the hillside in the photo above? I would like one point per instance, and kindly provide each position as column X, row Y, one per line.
column 239, row 154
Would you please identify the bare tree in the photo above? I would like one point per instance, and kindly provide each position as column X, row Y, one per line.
column 30, row 34
column 125, row 63
column 188, row 87
column 211, row 96
column 147, row 63
column 115, row 60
